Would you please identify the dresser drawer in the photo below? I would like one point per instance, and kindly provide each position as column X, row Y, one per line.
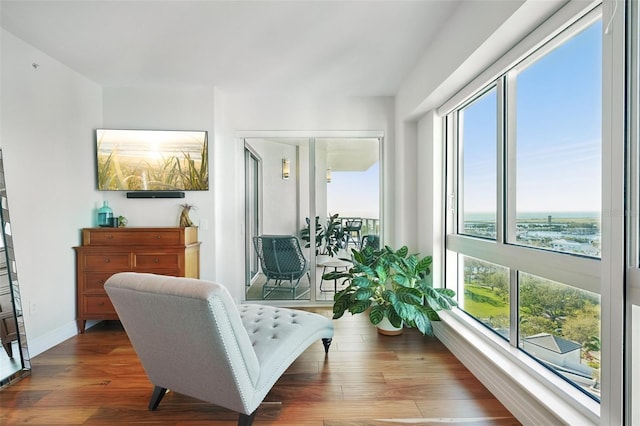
column 94, row 281
column 97, row 305
column 122, row 236
column 152, row 261
column 106, row 261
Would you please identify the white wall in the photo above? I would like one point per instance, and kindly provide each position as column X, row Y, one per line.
column 166, row 109
column 236, row 114
column 48, row 117
column 430, row 203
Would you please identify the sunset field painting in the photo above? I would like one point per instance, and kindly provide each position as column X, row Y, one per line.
column 152, row 160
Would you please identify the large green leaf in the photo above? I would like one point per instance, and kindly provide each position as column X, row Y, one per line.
column 421, row 322
column 367, row 270
column 363, row 294
column 438, row 298
column 401, row 279
column 446, row 292
column 340, row 305
column 376, row 314
column 424, row 265
column 394, row 318
column 390, row 296
column 363, row 282
column 402, row 252
column 357, row 256
column 336, row 275
column 359, row 306
column 431, row 313
column 411, row 263
column 381, row 273
column 409, row 295
column 405, row 311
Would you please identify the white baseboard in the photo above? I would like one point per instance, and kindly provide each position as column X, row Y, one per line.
column 531, row 400
column 54, row 337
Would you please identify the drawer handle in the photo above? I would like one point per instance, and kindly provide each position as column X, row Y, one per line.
column 107, row 260
column 156, row 260
column 109, row 237
column 101, row 282
column 100, row 303
column 158, row 237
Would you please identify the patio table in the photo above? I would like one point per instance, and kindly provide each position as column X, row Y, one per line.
column 335, row 264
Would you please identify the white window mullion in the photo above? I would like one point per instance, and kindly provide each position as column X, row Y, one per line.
column 501, row 196
column 613, row 223
column 510, row 155
column 632, row 314
column 458, row 120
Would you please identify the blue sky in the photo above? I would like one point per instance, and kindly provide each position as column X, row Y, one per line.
column 355, row 194
column 558, row 133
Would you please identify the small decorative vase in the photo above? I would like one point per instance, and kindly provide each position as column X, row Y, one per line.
column 105, row 215
column 385, row 327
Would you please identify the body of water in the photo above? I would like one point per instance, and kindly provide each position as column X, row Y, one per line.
column 484, row 216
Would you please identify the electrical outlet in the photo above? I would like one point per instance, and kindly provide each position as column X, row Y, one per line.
column 33, row 308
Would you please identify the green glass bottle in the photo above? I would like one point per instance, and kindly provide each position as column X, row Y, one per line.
column 105, row 213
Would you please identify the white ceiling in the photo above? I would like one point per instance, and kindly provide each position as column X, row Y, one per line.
column 351, row 48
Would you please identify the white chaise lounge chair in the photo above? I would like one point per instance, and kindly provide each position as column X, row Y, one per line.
column 192, row 338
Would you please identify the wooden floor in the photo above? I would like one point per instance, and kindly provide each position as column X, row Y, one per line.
column 367, row 379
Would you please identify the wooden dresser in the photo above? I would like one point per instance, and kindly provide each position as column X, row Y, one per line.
column 105, row 251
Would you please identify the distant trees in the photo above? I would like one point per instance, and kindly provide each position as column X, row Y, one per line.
column 544, row 306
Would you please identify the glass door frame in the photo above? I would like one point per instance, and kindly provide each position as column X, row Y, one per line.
column 632, row 303
column 251, row 156
column 311, row 136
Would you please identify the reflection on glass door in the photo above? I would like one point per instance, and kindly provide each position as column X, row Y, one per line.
column 252, row 209
column 632, row 329
column 316, row 200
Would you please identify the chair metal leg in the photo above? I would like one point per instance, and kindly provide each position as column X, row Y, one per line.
column 8, row 348
column 246, row 419
column 326, row 343
column 156, row 397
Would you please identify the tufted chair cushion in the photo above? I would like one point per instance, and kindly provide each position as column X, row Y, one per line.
column 279, row 336
column 191, row 337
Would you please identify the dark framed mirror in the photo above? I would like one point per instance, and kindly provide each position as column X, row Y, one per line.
column 14, row 354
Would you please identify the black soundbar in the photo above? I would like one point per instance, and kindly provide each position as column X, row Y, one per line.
column 155, row 194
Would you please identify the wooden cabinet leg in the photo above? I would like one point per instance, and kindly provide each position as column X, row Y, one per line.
column 81, row 325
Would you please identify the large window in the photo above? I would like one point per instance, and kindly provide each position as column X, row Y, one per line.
column 523, row 245
column 557, row 146
column 478, row 146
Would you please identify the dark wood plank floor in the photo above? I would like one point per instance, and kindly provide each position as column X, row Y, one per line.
column 367, row 379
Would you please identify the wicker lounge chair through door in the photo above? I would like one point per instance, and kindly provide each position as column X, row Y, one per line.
column 282, row 263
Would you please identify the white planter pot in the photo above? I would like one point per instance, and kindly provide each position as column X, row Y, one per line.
column 386, row 328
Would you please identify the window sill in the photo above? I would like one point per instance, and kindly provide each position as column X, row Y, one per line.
column 526, row 388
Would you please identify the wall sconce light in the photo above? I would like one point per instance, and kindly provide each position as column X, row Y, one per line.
column 285, row 169
column 328, row 175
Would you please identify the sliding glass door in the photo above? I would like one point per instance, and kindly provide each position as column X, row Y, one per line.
column 308, row 203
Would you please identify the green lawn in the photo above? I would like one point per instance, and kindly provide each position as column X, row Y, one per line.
column 484, row 309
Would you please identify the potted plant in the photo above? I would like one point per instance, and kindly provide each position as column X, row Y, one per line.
column 391, row 285
column 330, row 238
